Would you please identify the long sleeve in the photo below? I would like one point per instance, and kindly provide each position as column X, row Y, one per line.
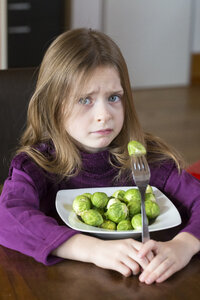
column 184, row 190
column 23, row 226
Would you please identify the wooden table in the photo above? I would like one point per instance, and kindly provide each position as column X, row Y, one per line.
column 22, row 278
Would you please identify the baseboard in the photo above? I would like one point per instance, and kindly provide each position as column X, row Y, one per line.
column 195, row 69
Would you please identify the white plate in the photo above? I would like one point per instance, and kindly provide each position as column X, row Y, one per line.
column 169, row 215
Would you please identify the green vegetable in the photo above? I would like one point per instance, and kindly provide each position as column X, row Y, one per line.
column 107, row 224
column 92, row 217
column 136, row 149
column 150, row 196
column 134, row 207
column 99, row 199
column 100, row 210
column 124, row 225
column 89, row 195
column 117, row 212
column 152, row 209
column 111, row 201
column 80, row 204
column 119, row 194
column 149, row 189
column 136, row 221
column 132, row 194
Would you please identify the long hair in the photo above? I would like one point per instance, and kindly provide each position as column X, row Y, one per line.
column 66, row 66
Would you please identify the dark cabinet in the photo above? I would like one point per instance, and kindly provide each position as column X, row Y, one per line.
column 32, row 26
column 16, row 88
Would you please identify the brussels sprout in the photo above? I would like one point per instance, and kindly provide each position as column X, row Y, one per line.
column 80, row 204
column 124, row 225
column 99, row 199
column 117, row 212
column 89, row 195
column 150, row 196
column 111, row 201
column 119, row 194
column 135, row 148
column 134, row 207
column 152, row 209
column 149, row 189
column 107, row 224
column 100, row 210
column 136, row 221
column 92, row 217
column 132, row 194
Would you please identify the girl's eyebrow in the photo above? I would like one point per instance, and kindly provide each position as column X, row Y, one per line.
column 121, row 91
column 117, row 92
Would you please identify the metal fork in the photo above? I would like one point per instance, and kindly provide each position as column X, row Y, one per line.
column 141, row 176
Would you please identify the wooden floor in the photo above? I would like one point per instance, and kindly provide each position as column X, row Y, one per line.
column 174, row 115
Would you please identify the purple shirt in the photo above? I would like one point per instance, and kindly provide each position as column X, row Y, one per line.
column 30, row 224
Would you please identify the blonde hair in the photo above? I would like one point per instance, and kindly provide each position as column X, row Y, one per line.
column 70, row 60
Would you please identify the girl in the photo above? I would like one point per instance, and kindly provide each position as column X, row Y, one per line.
column 80, row 120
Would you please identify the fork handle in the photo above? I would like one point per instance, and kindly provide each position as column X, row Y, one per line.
column 145, row 230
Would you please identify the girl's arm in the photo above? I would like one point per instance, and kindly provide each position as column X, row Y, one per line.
column 169, row 258
column 118, row 255
column 23, row 226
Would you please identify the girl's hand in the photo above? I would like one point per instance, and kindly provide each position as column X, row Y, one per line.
column 169, row 257
column 118, row 255
column 121, row 256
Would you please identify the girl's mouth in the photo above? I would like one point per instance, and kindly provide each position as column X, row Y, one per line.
column 103, row 131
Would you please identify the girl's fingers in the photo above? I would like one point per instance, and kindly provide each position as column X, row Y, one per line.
column 148, row 247
column 144, row 259
column 150, row 256
column 166, row 274
column 123, row 269
column 136, row 244
column 143, row 262
column 132, row 265
column 128, row 262
column 157, row 268
column 157, row 261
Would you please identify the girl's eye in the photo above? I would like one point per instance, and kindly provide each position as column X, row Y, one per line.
column 114, row 98
column 84, row 101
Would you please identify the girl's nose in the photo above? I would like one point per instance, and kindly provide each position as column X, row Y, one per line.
column 103, row 114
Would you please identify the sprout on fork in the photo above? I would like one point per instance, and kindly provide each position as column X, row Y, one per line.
column 136, row 149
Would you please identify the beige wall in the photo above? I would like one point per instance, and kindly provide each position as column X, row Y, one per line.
column 86, row 13
column 196, row 26
column 154, row 37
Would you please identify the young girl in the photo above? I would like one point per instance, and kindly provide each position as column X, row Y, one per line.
column 80, row 120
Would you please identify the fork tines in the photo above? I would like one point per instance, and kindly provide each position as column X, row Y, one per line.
column 140, row 163
column 140, row 168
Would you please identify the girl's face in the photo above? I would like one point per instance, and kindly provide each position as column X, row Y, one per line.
column 97, row 117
